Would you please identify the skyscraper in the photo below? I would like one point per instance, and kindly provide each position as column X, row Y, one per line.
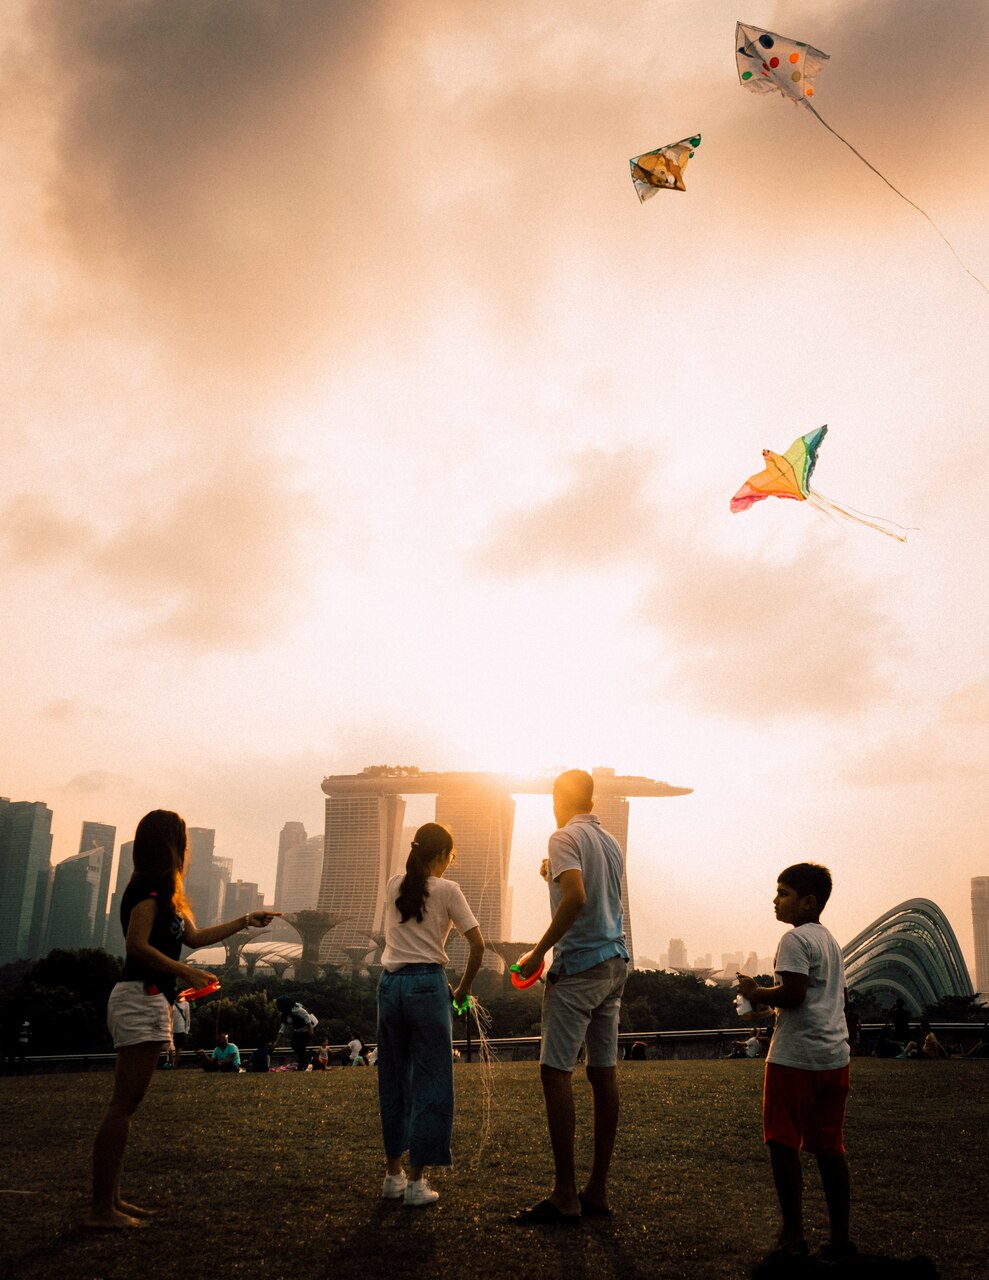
column 206, row 876
column 100, row 835
column 75, row 893
column 613, row 814
column 241, row 897
column 360, row 848
column 677, row 954
column 980, row 927
column 114, row 941
column 25, row 862
column 291, row 836
column 220, row 877
column 482, row 818
column 300, row 873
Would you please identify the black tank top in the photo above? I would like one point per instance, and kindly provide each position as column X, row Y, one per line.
column 166, row 935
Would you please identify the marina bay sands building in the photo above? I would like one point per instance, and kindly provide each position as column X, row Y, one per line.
column 360, row 850
column 363, row 847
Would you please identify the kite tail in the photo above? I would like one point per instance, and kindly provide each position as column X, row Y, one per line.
column 834, row 509
column 978, row 280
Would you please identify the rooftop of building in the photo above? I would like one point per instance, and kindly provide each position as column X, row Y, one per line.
column 407, row 779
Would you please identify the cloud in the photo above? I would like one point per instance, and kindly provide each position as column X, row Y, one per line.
column 601, row 517
column 912, row 760
column 62, row 710
column 94, row 781
column 209, row 553
column 220, row 163
column 761, row 640
column 35, row 534
column 753, row 638
column 258, row 183
column 218, row 559
column 969, row 706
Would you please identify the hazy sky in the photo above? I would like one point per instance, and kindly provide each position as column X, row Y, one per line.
column 354, row 410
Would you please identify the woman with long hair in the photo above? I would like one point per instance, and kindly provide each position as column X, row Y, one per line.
column 157, row 922
column 415, row 1035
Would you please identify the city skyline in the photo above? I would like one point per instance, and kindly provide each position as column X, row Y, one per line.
column 300, row 472
column 293, row 840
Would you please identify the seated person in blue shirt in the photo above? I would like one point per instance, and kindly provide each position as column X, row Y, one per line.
column 225, row 1057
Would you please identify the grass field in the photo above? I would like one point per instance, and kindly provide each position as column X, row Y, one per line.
column 280, row 1176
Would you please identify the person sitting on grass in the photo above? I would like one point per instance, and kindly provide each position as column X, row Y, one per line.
column 750, row 1048
column 260, row 1059
column 415, row 1024
column 929, row 1047
column 806, row 1081
column 157, row 921
column 225, row 1057
column 886, row 1046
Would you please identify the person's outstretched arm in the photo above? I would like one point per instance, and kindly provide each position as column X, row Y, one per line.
column 195, row 937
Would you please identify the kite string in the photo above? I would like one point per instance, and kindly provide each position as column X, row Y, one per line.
column 485, row 1066
column 981, row 283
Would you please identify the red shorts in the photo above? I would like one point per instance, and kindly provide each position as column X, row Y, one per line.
column 805, row 1109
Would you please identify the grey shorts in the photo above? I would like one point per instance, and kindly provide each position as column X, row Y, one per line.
column 583, row 1008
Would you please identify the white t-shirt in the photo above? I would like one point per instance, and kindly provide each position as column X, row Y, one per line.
column 814, row 1035
column 424, row 941
column 355, row 1048
column 752, row 1047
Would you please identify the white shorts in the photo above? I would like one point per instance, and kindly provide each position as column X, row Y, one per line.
column 134, row 1017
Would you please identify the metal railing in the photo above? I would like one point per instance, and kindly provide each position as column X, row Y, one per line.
column 663, row 1044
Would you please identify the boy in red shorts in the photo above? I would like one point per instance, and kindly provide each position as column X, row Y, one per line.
column 806, row 1084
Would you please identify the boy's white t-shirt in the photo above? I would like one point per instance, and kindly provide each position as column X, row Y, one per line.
column 423, row 941
column 814, row 1035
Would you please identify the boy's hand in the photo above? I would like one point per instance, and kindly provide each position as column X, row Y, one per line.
column 544, row 868
column 746, row 985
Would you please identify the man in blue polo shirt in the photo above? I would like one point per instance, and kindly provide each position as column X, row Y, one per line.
column 583, row 994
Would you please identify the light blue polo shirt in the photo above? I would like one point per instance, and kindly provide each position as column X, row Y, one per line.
column 598, row 933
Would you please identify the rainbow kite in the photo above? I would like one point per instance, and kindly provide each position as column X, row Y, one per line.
column 788, row 475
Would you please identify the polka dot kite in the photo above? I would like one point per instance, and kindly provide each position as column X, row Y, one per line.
column 765, row 73
column 801, row 63
column 663, row 168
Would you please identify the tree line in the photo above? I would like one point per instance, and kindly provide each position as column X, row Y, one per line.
column 64, row 997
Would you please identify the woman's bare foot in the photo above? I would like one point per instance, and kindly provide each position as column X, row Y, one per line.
column 133, row 1210
column 112, row 1221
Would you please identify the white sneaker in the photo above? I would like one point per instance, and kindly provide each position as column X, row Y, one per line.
column 394, row 1185
column 420, row 1193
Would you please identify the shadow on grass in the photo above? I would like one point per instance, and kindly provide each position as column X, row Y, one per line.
column 56, row 1254
column 428, row 1242
column 862, row 1267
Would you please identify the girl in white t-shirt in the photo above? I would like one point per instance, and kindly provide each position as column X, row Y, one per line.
column 415, row 1048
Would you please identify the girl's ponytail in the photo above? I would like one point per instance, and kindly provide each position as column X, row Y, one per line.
column 431, row 841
